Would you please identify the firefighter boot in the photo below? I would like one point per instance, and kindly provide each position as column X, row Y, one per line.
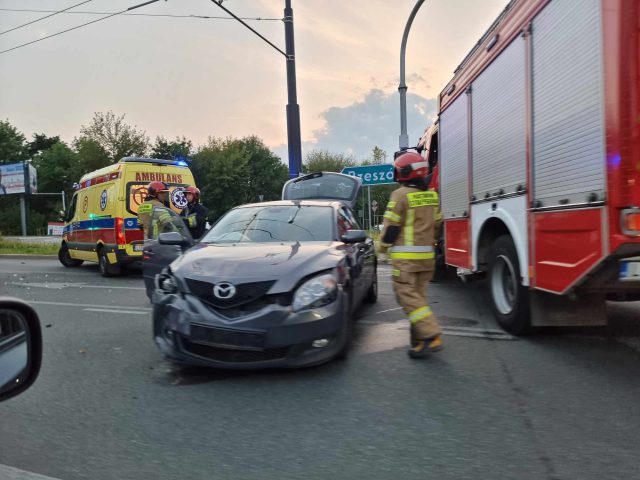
column 422, row 348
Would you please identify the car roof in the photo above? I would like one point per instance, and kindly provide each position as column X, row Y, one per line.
column 303, row 203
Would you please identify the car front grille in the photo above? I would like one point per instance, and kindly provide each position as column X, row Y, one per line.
column 256, row 305
column 230, row 355
column 245, row 293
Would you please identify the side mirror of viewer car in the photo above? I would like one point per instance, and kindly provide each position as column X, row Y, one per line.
column 20, row 347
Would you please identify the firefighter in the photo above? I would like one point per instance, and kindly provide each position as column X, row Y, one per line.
column 156, row 197
column 411, row 224
column 194, row 214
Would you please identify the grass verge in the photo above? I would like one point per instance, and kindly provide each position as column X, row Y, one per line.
column 19, row 248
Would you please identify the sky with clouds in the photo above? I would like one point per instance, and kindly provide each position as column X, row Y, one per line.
column 211, row 77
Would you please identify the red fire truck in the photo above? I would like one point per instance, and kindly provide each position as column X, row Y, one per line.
column 537, row 144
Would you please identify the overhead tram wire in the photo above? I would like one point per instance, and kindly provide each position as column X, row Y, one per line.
column 79, row 26
column 55, row 12
column 265, row 39
column 166, row 15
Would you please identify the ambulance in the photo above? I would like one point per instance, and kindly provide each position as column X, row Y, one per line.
column 101, row 224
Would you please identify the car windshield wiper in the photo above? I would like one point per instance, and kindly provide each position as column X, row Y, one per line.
column 294, row 215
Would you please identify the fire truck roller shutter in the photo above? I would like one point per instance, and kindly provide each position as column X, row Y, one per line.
column 454, row 159
column 568, row 111
column 498, row 126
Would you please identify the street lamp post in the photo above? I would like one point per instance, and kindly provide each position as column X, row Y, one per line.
column 402, row 88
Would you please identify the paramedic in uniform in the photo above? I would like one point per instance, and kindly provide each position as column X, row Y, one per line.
column 156, row 197
column 411, row 224
column 194, row 214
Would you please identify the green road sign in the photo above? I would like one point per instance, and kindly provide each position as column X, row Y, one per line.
column 372, row 174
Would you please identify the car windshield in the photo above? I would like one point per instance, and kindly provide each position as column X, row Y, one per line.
column 274, row 223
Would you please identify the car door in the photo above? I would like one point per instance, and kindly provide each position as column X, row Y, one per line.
column 156, row 256
column 362, row 254
column 72, row 224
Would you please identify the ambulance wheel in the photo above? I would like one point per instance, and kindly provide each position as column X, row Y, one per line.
column 65, row 258
column 509, row 298
column 106, row 268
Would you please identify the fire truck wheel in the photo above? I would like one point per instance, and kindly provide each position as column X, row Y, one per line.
column 509, row 298
column 65, row 258
column 106, row 268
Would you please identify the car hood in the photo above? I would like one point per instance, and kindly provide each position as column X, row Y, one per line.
column 243, row 263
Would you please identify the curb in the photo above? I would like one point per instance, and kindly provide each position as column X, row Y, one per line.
column 26, row 256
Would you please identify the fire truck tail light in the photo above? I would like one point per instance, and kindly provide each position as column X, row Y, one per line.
column 631, row 221
column 120, row 231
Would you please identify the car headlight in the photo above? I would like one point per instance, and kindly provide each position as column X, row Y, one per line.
column 166, row 283
column 316, row 292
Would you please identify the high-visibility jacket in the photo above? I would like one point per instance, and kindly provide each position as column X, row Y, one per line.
column 417, row 214
column 145, row 211
column 194, row 216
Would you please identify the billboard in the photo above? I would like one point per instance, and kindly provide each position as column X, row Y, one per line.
column 12, row 179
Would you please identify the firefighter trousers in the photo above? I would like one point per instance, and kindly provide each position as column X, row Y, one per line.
column 411, row 293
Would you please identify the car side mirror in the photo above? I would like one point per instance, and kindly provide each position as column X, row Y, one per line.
column 354, row 236
column 172, row 238
column 20, row 347
column 63, row 216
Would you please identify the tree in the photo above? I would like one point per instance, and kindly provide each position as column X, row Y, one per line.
column 170, row 150
column 58, row 168
column 378, row 156
column 12, row 144
column 91, row 156
column 40, row 143
column 324, row 161
column 114, row 136
column 235, row 171
column 267, row 174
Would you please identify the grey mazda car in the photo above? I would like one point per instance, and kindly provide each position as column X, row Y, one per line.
column 271, row 284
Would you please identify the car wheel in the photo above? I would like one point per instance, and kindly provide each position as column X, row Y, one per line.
column 343, row 354
column 107, row 269
column 65, row 258
column 372, row 293
column 509, row 298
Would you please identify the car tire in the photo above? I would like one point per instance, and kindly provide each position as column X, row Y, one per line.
column 372, row 293
column 107, row 269
column 65, row 259
column 509, row 298
column 343, row 354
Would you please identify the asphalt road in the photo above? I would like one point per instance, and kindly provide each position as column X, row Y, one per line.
column 562, row 404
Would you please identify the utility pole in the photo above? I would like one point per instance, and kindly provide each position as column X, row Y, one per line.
column 293, row 109
column 402, row 88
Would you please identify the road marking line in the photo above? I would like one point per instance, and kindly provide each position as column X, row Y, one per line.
column 118, row 287
column 66, row 304
column 389, row 310
column 11, row 473
column 60, row 286
column 107, row 310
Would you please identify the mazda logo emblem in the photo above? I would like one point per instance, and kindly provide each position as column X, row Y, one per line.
column 224, row 291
